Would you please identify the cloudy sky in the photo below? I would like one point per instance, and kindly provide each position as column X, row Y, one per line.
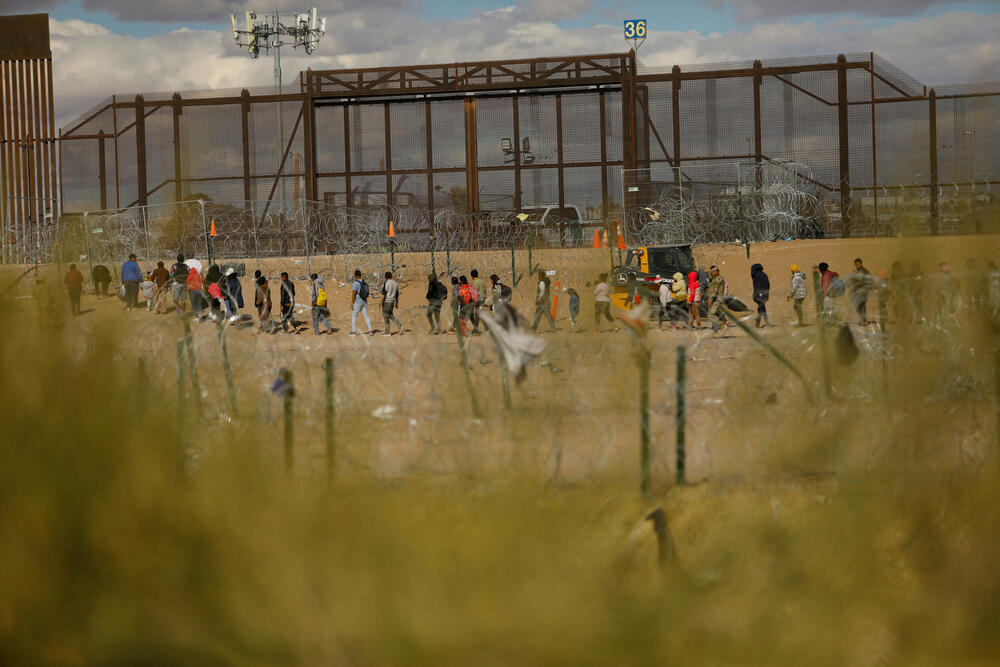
column 102, row 47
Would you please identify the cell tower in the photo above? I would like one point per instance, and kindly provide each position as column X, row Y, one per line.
column 269, row 33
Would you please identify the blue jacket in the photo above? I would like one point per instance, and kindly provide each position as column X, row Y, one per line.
column 131, row 271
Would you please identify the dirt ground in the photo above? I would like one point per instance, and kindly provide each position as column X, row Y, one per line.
column 403, row 405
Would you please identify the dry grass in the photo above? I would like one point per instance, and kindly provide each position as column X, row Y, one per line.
column 855, row 531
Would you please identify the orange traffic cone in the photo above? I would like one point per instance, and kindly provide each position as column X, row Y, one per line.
column 604, row 244
column 392, row 230
column 597, row 238
column 555, row 300
column 211, row 232
column 621, row 239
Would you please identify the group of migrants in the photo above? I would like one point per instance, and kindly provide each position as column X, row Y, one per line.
column 682, row 301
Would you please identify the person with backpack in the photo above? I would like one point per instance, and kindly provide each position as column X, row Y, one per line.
column 319, row 302
column 797, row 292
column 390, row 297
column 500, row 293
column 286, row 301
column 359, row 303
column 761, row 293
column 543, row 302
column 179, row 274
column 437, row 294
column 478, row 286
column 715, row 293
column 466, row 303
column 102, row 279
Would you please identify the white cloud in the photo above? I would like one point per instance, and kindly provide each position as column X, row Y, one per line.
column 754, row 10
column 91, row 63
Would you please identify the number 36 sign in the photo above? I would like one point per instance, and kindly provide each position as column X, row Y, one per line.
column 635, row 28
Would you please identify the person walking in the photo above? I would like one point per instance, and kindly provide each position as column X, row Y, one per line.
column 195, row 286
column 456, row 304
column 797, row 293
column 602, row 303
column 101, row 278
column 179, row 273
column 882, row 290
column 761, row 293
column 543, row 302
column 466, row 304
column 715, row 292
column 390, row 299
column 234, row 295
column 131, row 277
column 500, row 293
column 359, row 303
column 694, row 299
column 262, row 301
column 148, row 290
column 916, row 292
column 479, row 293
column 319, row 301
column 861, row 284
column 161, row 280
column 947, row 293
column 74, row 287
column 679, row 315
column 974, row 280
column 286, row 300
column 897, row 284
column 437, row 294
column 574, row 309
column 832, row 287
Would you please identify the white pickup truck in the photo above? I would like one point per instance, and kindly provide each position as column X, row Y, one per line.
column 553, row 225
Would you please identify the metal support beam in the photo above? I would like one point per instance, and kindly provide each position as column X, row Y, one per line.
column 387, row 161
column 471, row 157
column 177, row 110
column 429, row 144
column 559, row 151
column 245, row 144
column 758, row 148
column 845, row 149
column 932, row 127
column 102, row 170
column 140, row 149
column 517, row 151
column 675, row 91
column 309, row 147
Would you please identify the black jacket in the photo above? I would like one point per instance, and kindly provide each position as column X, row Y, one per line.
column 287, row 289
column 436, row 291
column 761, row 284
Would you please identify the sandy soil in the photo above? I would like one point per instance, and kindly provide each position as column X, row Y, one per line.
column 575, row 413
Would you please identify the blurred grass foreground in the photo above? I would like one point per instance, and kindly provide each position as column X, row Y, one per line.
column 131, row 534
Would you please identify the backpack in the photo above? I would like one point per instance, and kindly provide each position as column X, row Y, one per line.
column 837, row 288
column 320, row 296
column 181, row 272
column 506, row 292
column 364, row 291
column 440, row 291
